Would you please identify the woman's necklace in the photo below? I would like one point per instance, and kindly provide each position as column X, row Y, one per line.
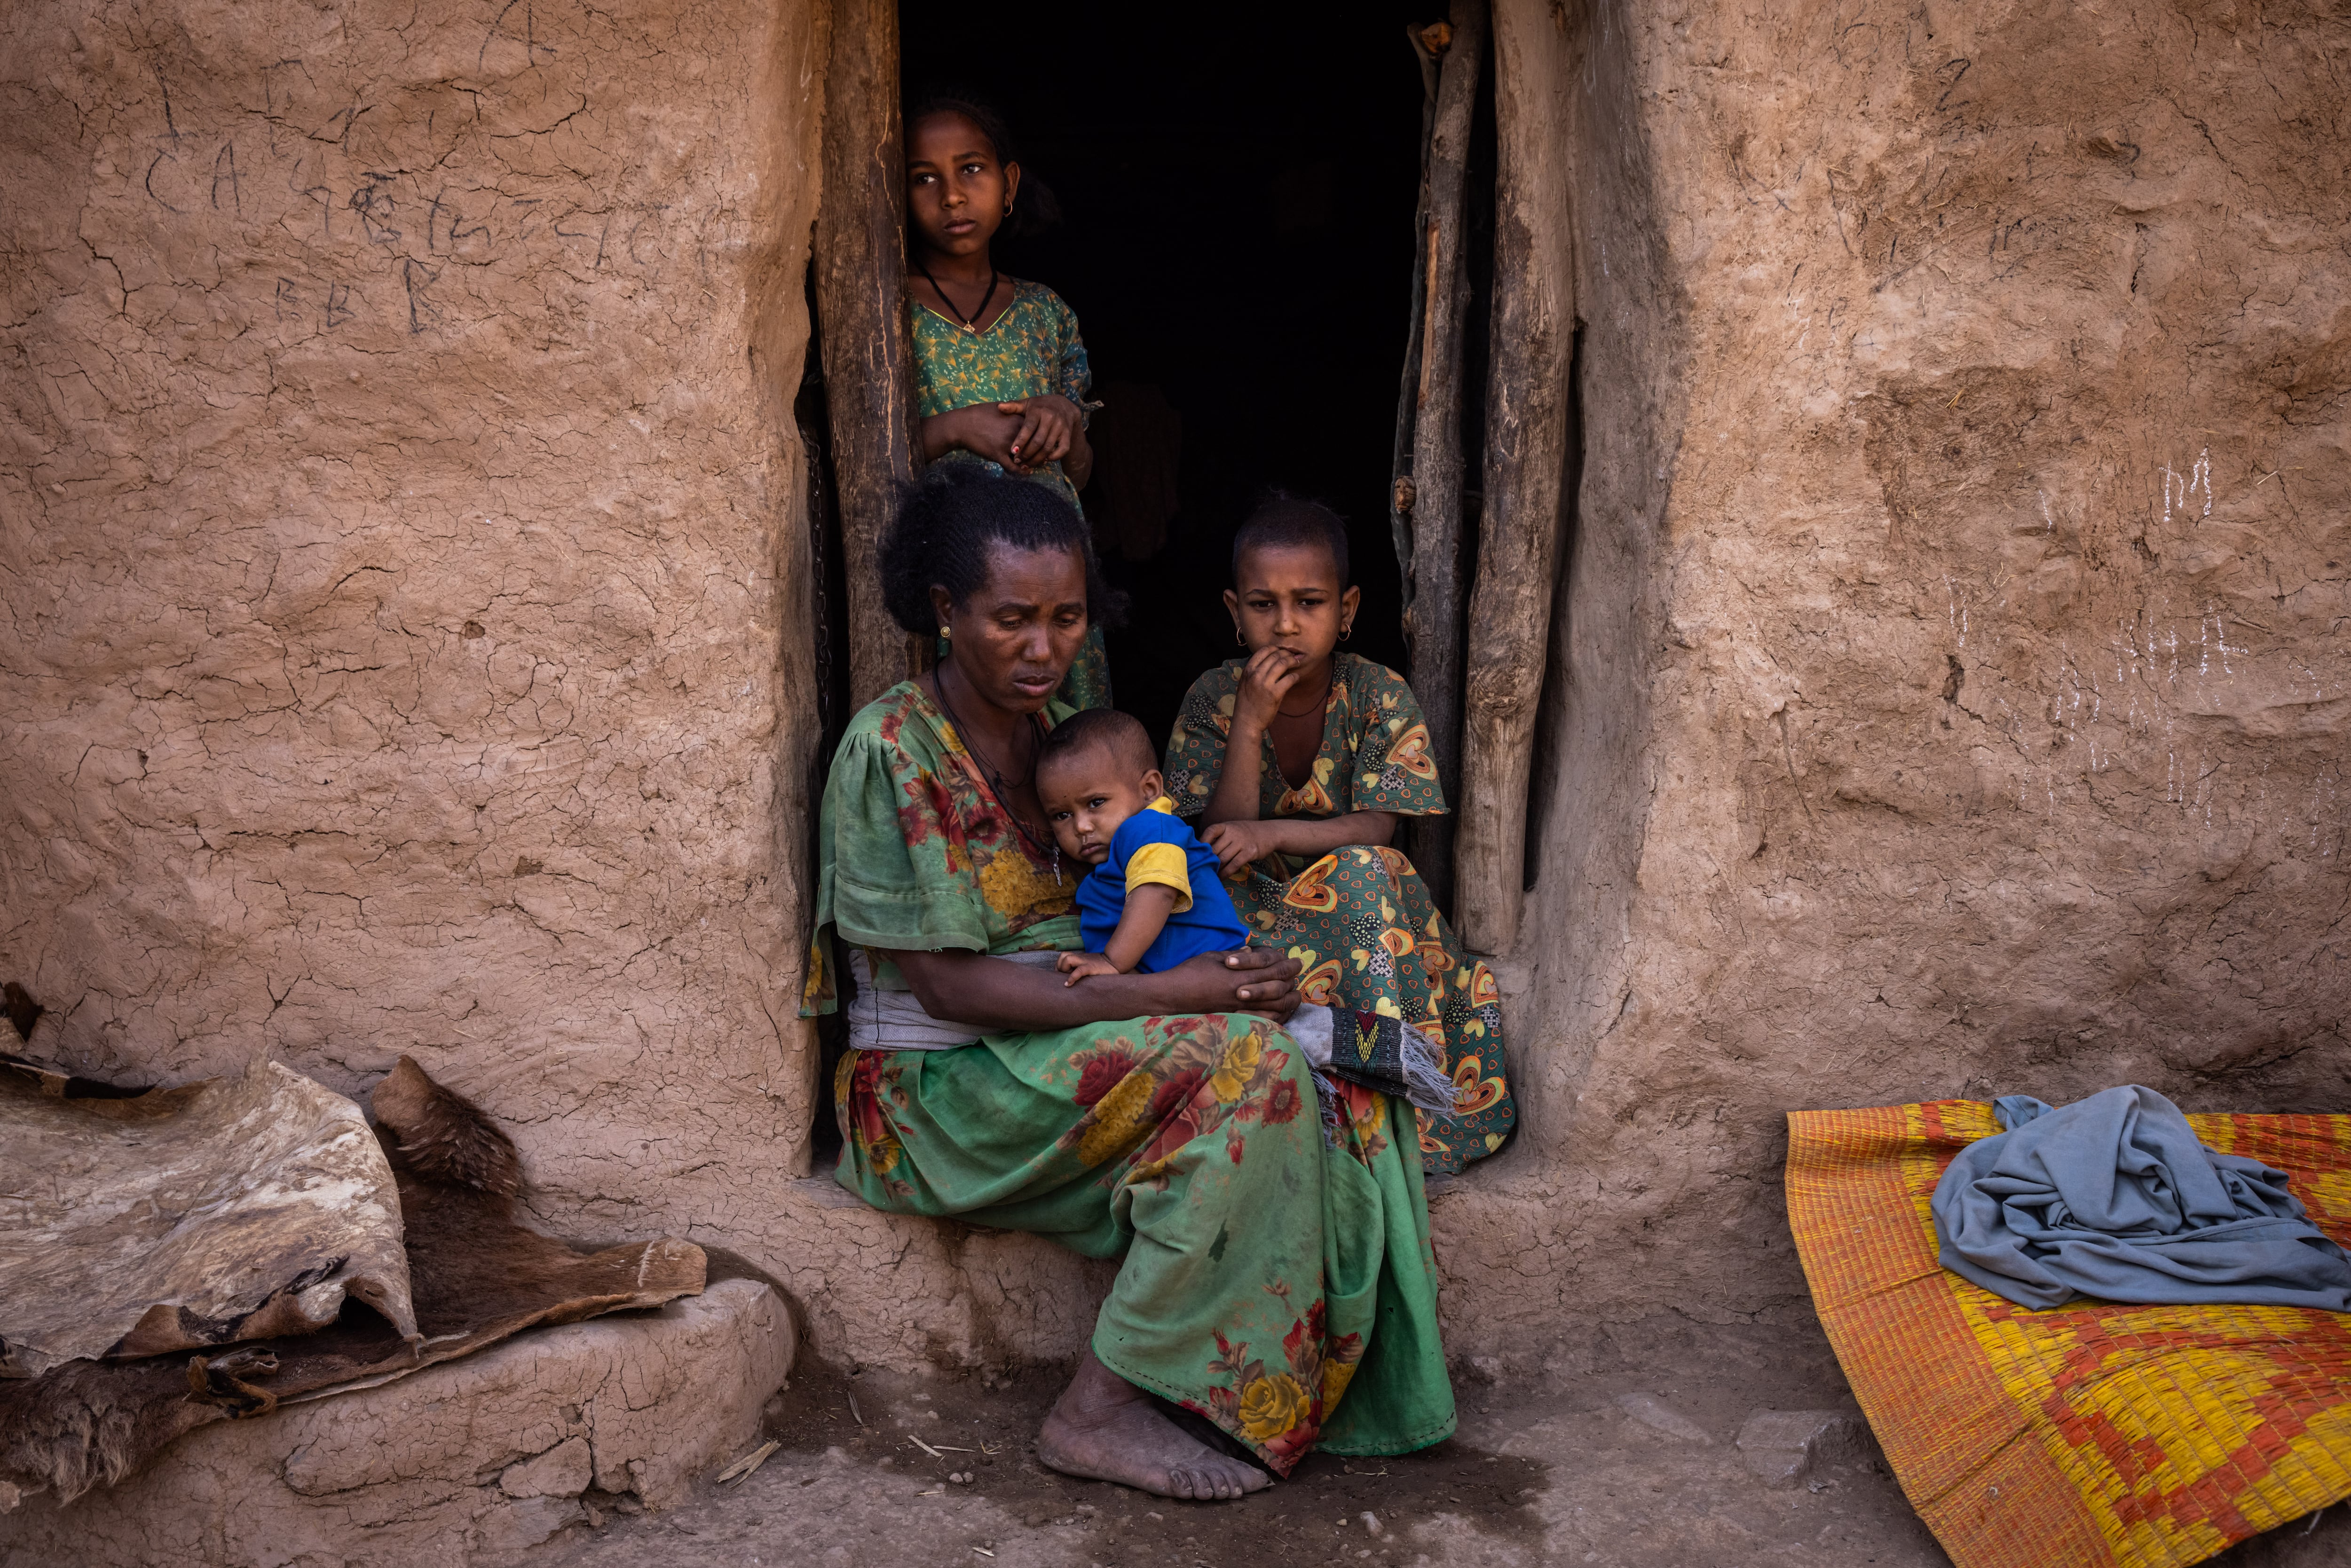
column 970, row 322
column 995, row 781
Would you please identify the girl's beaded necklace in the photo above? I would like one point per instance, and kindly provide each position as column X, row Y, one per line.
column 970, row 323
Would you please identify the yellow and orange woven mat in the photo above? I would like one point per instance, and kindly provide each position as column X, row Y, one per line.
column 2092, row 1434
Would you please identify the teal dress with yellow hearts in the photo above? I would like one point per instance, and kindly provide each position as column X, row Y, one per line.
column 1359, row 920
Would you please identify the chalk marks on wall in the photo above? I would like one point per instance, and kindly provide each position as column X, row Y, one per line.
column 2180, row 706
column 341, row 206
column 2180, row 490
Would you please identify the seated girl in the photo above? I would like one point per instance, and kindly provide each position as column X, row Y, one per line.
column 1000, row 373
column 1297, row 761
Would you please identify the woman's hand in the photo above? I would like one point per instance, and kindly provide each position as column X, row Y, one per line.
column 1253, row 980
column 1242, row 841
column 1049, row 426
column 994, row 994
column 1266, row 679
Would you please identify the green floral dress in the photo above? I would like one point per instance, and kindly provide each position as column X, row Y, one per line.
column 1360, row 919
column 1031, row 350
column 1267, row 1272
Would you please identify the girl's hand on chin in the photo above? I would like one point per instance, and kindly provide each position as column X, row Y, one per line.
column 1266, row 679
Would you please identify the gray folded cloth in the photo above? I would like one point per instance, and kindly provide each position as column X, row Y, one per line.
column 2114, row 1198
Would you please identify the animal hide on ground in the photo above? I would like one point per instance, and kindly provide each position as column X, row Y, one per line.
column 232, row 1209
column 478, row 1276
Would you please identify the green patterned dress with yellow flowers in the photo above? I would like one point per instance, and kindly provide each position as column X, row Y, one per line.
column 1360, row 919
column 1277, row 1280
column 1031, row 350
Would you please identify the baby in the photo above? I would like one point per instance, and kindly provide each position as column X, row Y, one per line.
column 1154, row 898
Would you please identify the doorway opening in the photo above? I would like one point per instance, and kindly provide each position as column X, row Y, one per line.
column 1236, row 234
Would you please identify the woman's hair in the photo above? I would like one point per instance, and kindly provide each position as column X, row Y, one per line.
column 1283, row 521
column 1036, row 209
column 945, row 524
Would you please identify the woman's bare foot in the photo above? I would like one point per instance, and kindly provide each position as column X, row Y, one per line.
column 1103, row 1426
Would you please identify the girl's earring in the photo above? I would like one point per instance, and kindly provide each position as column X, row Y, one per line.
column 946, row 633
column 1239, row 639
column 1346, row 632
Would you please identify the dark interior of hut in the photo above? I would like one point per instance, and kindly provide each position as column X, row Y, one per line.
column 1236, row 197
column 1233, row 207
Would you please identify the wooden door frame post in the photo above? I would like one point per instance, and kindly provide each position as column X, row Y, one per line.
column 1408, row 391
column 862, row 332
column 1433, row 621
column 1527, row 429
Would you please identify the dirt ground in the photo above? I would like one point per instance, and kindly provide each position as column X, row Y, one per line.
column 1624, row 1456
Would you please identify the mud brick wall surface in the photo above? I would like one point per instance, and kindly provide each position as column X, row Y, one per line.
column 399, row 536
column 407, row 617
column 1960, row 693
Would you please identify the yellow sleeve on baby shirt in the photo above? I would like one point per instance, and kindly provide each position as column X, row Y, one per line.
column 1163, row 864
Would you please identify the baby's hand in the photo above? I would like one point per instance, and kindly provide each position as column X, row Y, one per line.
column 1239, row 843
column 1077, row 966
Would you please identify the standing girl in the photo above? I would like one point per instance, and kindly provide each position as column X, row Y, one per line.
column 1002, row 379
column 1297, row 761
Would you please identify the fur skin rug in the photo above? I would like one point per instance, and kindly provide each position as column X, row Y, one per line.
column 476, row 1277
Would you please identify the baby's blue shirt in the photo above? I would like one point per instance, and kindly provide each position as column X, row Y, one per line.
column 1154, row 846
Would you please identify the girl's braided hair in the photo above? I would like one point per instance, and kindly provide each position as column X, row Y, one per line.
column 945, row 525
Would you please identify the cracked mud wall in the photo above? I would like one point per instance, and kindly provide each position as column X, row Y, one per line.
column 1956, row 693
column 403, row 564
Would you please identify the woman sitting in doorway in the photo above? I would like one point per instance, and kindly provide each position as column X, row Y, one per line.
column 1298, row 759
column 1000, row 373
column 1277, row 1283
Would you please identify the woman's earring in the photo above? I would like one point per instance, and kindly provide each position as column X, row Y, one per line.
column 1346, row 632
column 946, row 633
column 1239, row 639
